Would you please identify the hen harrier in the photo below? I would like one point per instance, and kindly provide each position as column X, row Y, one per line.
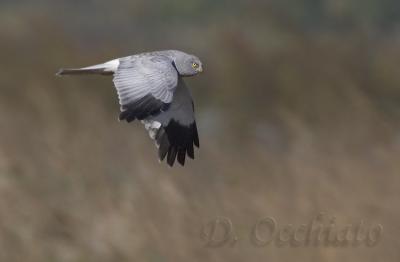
column 150, row 88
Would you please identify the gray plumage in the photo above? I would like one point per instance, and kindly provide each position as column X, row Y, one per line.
column 150, row 88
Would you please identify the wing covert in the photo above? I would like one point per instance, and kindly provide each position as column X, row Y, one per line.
column 145, row 85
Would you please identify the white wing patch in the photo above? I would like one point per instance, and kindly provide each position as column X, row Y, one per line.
column 152, row 127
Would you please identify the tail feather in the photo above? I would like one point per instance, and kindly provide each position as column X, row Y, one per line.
column 107, row 68
column 81, row 71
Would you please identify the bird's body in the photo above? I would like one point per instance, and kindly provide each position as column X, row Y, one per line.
column 151, row 89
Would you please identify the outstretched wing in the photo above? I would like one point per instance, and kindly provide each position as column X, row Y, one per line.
column 175, row 130
column 145, row 85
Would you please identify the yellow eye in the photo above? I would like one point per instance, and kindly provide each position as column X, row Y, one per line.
column 195, row 65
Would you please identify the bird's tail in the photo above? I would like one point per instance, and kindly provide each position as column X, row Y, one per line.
column 107, row 68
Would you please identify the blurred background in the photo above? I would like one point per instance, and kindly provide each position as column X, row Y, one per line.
column 298, row 112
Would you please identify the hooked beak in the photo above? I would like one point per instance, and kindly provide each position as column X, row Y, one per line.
column 200, row 70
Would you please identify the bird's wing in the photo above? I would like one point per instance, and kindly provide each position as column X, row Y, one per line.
column 145, row 85
column 175, row 130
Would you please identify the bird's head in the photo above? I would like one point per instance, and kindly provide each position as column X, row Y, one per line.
column 187, row 65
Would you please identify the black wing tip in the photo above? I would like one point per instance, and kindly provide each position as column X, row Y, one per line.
column 196, row 140
column 181, row 156
column 176, row 141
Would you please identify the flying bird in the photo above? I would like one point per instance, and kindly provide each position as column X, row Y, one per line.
column 151, row 89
